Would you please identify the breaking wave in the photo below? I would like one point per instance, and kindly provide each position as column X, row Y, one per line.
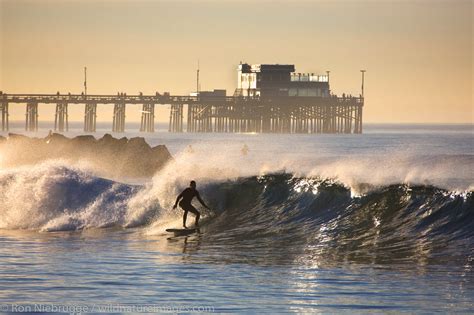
column 54, row 197
column 277, row 209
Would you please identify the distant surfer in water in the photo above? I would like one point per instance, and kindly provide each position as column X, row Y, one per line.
column 245, row 150
column 187, row 196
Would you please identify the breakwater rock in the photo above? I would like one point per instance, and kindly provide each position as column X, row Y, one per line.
column 108, row 156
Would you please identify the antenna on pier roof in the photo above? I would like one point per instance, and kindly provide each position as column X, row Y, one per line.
column 197, row 78
column 363, row 72
column 327, row 73
column 85, row 80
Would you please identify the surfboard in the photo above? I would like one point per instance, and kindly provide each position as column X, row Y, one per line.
column 180, row 232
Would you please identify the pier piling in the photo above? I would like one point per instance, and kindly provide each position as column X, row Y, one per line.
column 176, row 118
column 118, row 124
column 5, row 115
column 90, row 117
column 61, row 118
column 148, row 118
column 31, row 123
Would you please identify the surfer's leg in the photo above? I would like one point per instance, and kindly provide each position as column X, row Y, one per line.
column 184, row 217
column 196, row 213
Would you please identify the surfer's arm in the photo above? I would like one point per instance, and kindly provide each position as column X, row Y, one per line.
column 177, row 200
column 201, row 201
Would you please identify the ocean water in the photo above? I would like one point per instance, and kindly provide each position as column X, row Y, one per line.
column 371, row 223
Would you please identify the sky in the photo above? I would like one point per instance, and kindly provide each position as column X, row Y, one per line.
column 418, row 54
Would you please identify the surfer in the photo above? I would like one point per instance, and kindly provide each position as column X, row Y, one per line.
column 245, row 150
column 190, row 149
column 187, row 196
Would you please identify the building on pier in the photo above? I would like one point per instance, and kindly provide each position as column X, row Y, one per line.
column 274, row 80
column 216, row 95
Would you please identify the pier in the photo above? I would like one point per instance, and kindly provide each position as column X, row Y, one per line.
column 204, row 114
column 269, row 98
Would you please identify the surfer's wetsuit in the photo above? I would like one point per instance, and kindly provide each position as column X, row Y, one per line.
column 187, row 196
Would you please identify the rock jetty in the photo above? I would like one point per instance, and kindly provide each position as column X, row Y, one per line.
column 109, row 156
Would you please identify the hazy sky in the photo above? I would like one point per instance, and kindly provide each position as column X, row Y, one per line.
column 418, row 54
